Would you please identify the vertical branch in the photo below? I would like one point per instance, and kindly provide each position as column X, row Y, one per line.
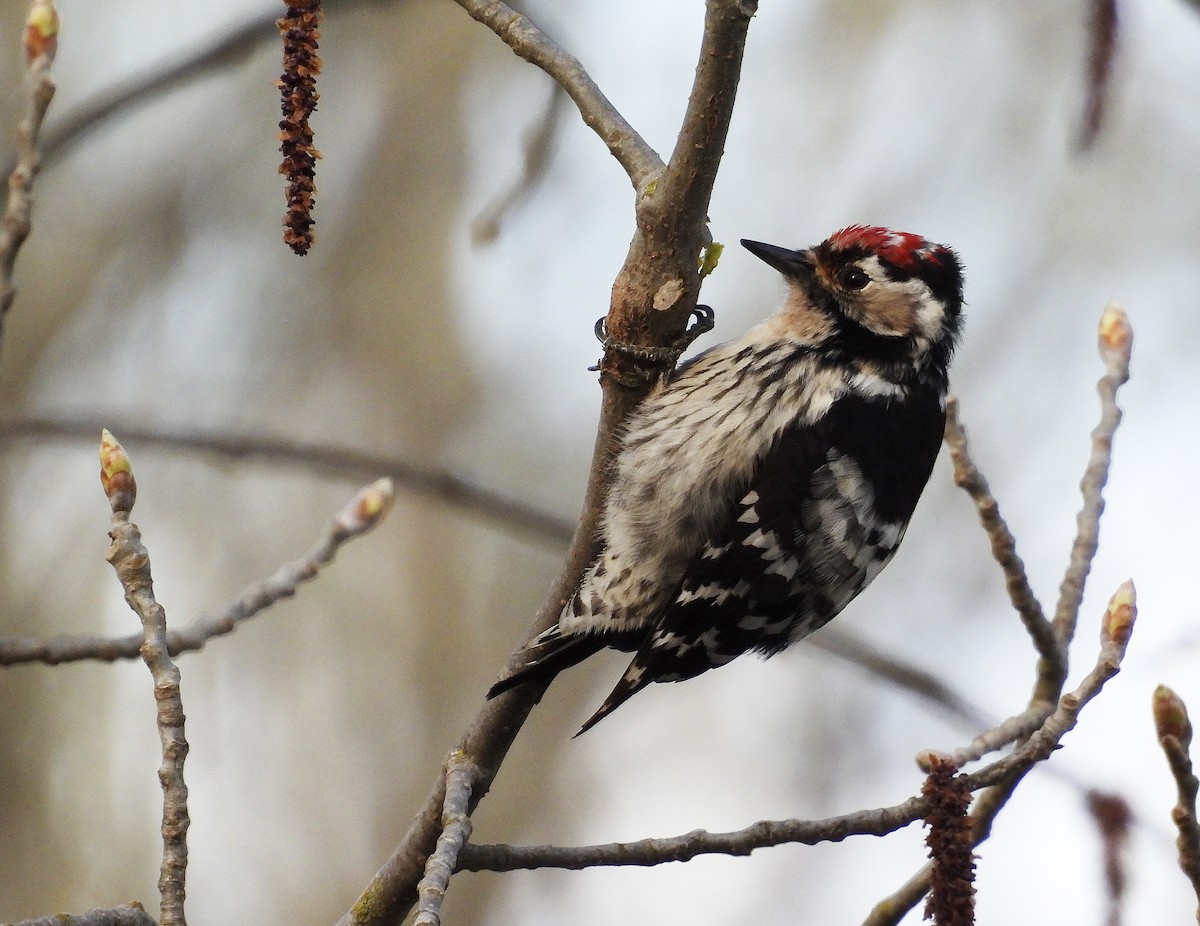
column 40, row 40
column 657, row 287
column 663, row 259
column 1004, row 546
column 131, row 561
column 1116, row 346
column 1103, row 29
column 1174, row 730
column 460, row 779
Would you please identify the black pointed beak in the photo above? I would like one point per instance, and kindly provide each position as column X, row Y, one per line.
column 789, row 263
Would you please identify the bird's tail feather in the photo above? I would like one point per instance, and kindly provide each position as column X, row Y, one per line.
column 548, row 654
column 630, row 684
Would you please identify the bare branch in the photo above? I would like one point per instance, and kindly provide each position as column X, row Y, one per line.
column 1004, row 775
column 133, row 914
column 904, row 675
column 1174, row 730
column 656, row 290
column 1116, row 345
column 460, row 779
column 363, row 512
column 485, row 228
column 1004, row 545
column 339, row 462
column 531, row 43
column 41, row 32
column 664, row 256
column 131, row 561
column 645, row 852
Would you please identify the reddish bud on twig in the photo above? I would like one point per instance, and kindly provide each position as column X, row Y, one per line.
column 116, row 473
column 298, row 90
column 41, row 32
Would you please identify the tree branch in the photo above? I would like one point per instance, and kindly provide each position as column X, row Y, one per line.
column 1004, row 545
column 664, row 256
column 531, row 43
column 340, row 462
column 133, row 914
column 877, row 822
column 363, row 512
column 1116, row 346
column 460, row 779
column 1003, row 776
column 40, row 38
column 131, row 561
column 1174, row 730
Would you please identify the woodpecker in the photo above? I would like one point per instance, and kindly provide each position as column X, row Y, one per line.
column 768, row 480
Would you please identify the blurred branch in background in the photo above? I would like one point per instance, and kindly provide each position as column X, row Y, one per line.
column 535, row 161
column 1103, row 35
column 362, row 513
column 340, row 463
column 40, row 40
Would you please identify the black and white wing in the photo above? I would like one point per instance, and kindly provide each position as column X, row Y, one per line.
column 824, row 512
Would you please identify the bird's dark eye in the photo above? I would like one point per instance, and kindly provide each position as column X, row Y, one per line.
column 853, row 278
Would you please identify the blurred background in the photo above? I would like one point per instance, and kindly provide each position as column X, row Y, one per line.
column 155, row 292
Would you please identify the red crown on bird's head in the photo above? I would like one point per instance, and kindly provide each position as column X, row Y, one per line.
column 903, row 249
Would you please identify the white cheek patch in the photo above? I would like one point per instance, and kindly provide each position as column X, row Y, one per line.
column 898, row 308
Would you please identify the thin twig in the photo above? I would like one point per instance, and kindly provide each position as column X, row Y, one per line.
column 460, row 781
column 1004, row 775
column 1116, row 346
column 1004, row 546
column 904, row 675
column 876, row 822
column 485, row 227
column 531, row 43
column 131, row 561
column 339, row 462
column 41, row 31
column 132, row 914
column 1115, row 343
column 1174, row 730
column 645, row 852
column 362, row 513
column 1011, row 730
